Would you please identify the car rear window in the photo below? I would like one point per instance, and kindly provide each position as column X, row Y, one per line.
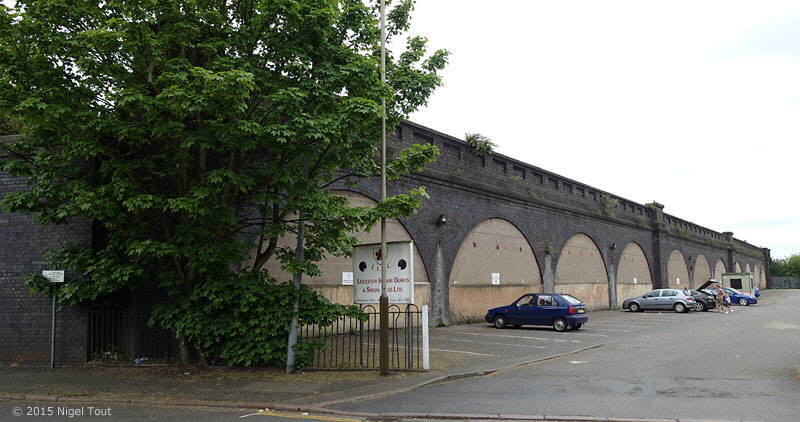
column 571, row 300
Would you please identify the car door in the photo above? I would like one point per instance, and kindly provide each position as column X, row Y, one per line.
column 520, row 312
column 544, row 310
column 668, row 299
column 650, row 300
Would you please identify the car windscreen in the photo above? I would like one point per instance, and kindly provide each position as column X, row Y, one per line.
column 571, row 300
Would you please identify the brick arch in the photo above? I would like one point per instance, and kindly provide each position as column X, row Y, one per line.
column 701, row 271
column 581, row 271
column 634, row 276
column 737, row 268
column 719, row 268
column 677, row 270
column 494, row 246
column 329, row 282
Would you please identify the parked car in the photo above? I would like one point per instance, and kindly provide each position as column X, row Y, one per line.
column 562, row 311
column 673, row 299
column 703, row 300
column 740, row 298
column 736, row 296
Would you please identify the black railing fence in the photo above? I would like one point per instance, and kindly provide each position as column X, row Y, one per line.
column 120, row 333
column 351, row 343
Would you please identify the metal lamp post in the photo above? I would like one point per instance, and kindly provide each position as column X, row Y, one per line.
column 384, row 299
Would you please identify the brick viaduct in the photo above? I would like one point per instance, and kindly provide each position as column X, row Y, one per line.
column 487, row 215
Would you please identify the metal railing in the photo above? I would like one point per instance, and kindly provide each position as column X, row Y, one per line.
column 351, row 343
column 118, row 333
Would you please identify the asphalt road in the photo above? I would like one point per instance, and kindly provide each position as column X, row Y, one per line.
column 738, row 366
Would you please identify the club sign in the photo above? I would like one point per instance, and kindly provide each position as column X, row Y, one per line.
column 399, row 272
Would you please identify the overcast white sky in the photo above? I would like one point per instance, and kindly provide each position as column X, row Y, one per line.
column 693, row 104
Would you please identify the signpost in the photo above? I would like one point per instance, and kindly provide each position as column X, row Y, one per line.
column 54, row 277
column 367, row 262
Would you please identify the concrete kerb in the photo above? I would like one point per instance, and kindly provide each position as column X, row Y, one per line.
column 365, row 415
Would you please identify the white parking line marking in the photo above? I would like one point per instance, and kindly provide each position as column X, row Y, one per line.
column 510, row 336
column 499, row 344
column 610, row 329
column 461, row 351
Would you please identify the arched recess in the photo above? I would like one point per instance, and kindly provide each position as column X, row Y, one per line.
column 719, row 269
column 737, row 268
column 581, row 272
column 702, row 272
column 677, row 273
column 633, row 273
column 330, row 281
column 747, row 268
column 494, row 266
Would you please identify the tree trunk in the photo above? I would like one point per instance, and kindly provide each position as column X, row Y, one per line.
column 297, row 279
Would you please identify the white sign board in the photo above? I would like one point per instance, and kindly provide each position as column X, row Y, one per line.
column 347, row 278
column 54, row 276
column 399, row 272
column 495, row 279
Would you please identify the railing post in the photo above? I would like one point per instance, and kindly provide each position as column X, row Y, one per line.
column 426, row 364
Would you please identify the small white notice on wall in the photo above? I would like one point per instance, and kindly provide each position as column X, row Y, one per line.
column 347, row 278
column 634, row 280
column 679, row 281
column 495, row 279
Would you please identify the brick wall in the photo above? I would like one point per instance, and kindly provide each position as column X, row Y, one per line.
column 25, row 319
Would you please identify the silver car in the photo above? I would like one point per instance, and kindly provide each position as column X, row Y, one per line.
column 673, row 299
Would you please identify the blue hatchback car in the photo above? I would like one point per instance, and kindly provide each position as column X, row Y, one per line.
column 740, row 298
column 562, row 311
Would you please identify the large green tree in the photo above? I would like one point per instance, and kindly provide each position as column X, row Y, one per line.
column 191, row 133
column 785, row 267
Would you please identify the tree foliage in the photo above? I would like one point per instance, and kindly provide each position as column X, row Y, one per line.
column 785, row 267
column 190, row 131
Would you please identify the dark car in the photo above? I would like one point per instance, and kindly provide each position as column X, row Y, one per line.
column 562, row 311
column 703, row 301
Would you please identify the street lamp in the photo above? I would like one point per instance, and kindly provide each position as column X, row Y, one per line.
column 384, row 299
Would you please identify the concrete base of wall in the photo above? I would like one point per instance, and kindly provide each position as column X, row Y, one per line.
column 595, row 296
column 470, row 303
column 626, row 291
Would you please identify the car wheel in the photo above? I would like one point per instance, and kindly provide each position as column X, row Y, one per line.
column 680, row 308
column 634, row 307
column 560, row 324
column 577, row 326
column 743, row 302
column 500, row 321
column 699, row 307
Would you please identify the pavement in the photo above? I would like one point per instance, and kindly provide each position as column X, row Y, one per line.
column 457, row 352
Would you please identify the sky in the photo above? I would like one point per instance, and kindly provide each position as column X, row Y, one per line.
column 693, row 104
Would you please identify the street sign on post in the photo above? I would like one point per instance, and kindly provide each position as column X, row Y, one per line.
column 367, row 260
column 54, row 277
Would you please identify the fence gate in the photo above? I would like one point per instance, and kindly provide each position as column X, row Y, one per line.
column 355, row 344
